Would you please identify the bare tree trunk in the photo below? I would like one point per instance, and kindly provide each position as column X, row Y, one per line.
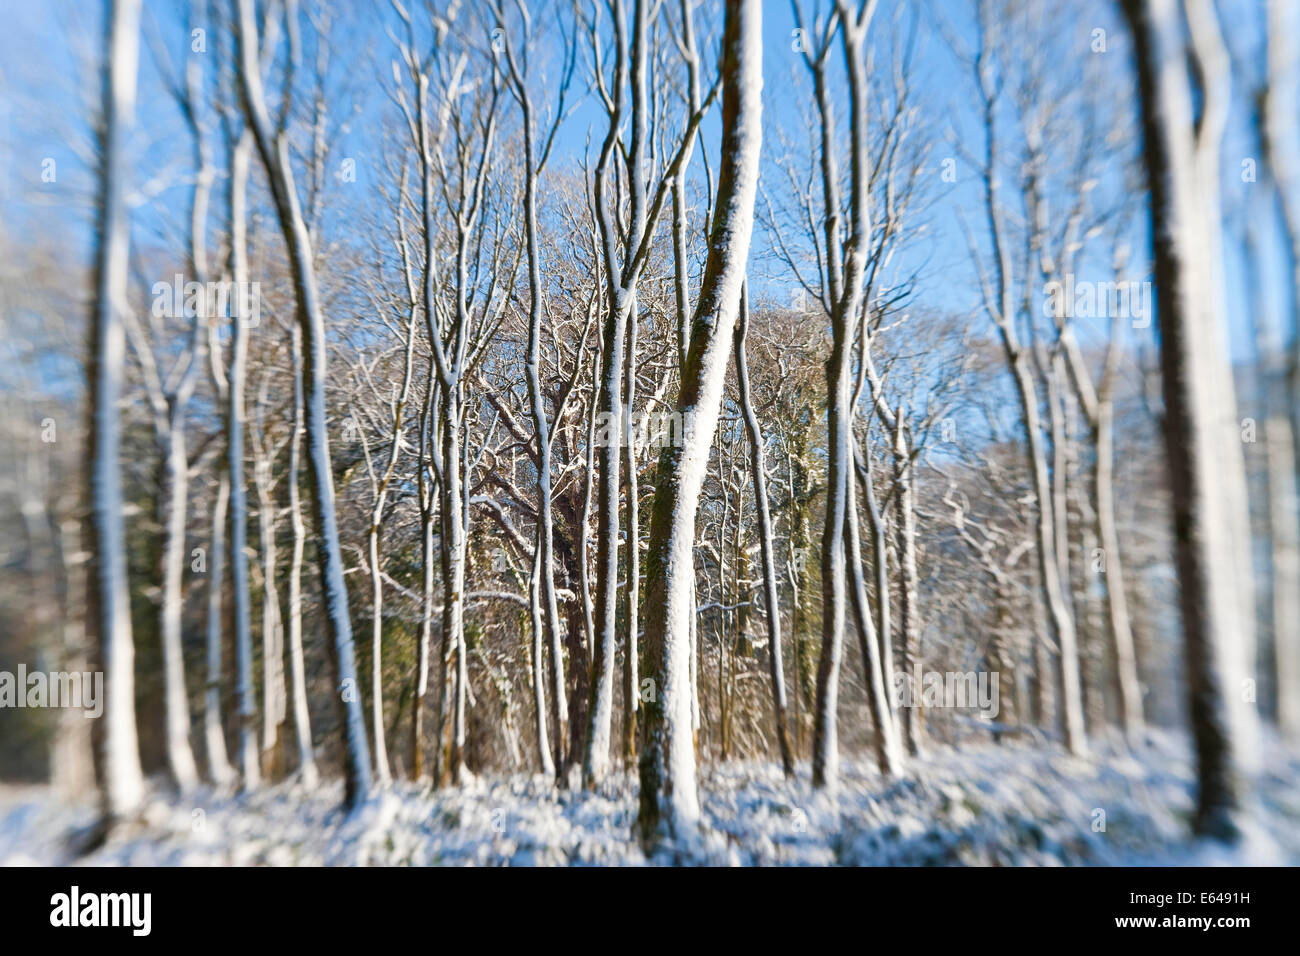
column 1058, row 611
column 621, row 277
column 380, row 484
column 1081, row 547
column 426, row 635
column 1044, row 681
column 214, row 735
column 909, row 591
column 600, row 707
column 619, row 302
column 1280, row 429
column 545, row 565
column 275, row 158
column 1099, row 408
column 889, row 756
column 72, row 766
column 1286, row 570
column 428, row 496
column 801, row 591
column 767, row 546
column 1205, row 464
column 273, row 684
column 123, row 781
column 454, row 557
column 580, row 664
column 1060, row 473
column 846, row 289
column 632, row 588
column 175, row 494
column 235, row 422
column 1121, row 630
column 545, row 763
column 999, row 296
column 1280, row 484
column 170, row 426
column 383, row 776
column 669, row 802
column 297, row 661
column 880, row 558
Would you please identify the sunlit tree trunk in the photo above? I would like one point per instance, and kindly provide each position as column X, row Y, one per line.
column 274, row 152
column 669, row 804
column 632, row 587
column 757, row 465
column 249, row 768
column 1205, row 460
column 273, row 683
column 845, row 290
column 909, row 583
column 297, row 662
column 119, row 751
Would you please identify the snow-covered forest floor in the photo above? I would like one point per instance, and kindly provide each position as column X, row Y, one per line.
column 1013, row 804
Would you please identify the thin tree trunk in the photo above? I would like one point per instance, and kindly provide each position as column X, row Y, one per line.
column 1099, row 408
column 454, row 556
column 275, row 159
column 383, row 776
column 1279, row 125
column 214, row 735
column 72, row 766
column 235, row 422
column 632, row 588
column 669, row 804
column 545, row 763
column 175, row 493
column 1062, row 627
column 767, row 546
column 120, row 773
column 889, row 757
column 846, row 289
column 1281, row 428
column 909, row 590
column 297, row 661
column 273, row 683
column 1121, row 630
column 1286, row 570
column 548, row 609
column 999, row 303
column 880, row 558
column 428, row 495
column 595, row 760
column 426, row 635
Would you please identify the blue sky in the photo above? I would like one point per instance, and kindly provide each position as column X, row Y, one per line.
column 48, row 81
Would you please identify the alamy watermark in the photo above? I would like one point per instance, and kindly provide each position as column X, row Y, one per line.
column 132, row 911
column 948, row 689
column 1090, row 300
column 218, row 299
column 650, row 429
column 81, row 690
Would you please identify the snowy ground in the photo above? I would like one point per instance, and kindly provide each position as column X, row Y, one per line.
column 1008, row 805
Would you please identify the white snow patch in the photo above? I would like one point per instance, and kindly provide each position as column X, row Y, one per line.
column 1013, row 804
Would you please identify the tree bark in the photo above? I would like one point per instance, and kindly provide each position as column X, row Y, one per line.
column 669, row 804
column 275, row 159
column 297, row 662
column 119, row 751
column 1206, row 468
column 249, row 768
column 758, row 470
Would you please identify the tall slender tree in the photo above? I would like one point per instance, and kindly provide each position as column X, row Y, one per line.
column 669, row 801
column 1206, row 469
